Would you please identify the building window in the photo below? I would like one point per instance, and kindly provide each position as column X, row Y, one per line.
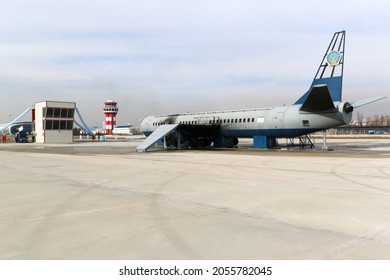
column 62, row 125
column 56, row 125
column 64, row 113
column 57, row 112
column 49, row 113
column 69, row 125
column 48, row 124
column 58, row 118
column 70, row 113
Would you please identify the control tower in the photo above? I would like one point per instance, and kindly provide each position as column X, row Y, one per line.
column 110, row 110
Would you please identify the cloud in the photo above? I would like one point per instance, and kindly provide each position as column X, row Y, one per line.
column 173, row 56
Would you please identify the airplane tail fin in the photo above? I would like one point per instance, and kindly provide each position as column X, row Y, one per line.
column 330, row 71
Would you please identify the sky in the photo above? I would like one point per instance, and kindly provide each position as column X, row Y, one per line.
column 176, row 56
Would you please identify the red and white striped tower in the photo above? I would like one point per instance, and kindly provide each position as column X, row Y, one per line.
column 110, row 110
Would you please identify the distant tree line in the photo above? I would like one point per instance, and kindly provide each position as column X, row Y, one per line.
column 376, row 120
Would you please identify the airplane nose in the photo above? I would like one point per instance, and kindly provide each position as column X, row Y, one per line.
column 143, row 125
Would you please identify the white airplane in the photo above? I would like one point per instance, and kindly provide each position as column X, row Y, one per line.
column 320, row 108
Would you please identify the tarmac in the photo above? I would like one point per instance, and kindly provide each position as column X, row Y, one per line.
column 102, row 200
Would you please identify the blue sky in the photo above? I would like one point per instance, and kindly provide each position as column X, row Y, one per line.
column 171, row 56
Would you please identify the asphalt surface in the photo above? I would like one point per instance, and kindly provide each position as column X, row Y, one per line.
column 102, row 200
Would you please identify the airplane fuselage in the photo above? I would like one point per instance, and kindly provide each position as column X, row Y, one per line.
column 286, row 121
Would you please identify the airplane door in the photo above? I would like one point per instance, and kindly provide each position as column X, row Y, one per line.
column 278, row 119
column 274, row 118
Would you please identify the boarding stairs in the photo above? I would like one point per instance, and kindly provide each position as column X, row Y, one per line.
column 304, row 141
column 159, row 133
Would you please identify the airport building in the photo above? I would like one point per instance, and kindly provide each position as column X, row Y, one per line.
column 54, row 121
column 122, row 129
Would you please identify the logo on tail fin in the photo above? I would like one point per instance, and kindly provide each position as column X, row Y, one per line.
column 333, row 58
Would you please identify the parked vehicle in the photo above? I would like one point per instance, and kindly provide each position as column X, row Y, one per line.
column 21, row 137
